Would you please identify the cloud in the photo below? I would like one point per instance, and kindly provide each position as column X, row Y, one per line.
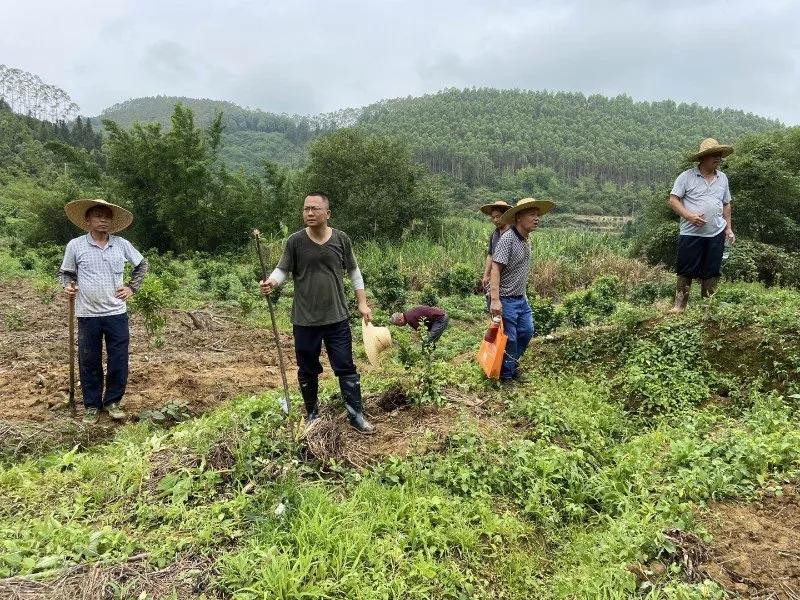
column 308, row 56
column 168, row 61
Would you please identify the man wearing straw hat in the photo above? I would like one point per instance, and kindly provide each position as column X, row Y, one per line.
column 702, row 198
column 508, row 281
column 96, row 262
column 495, row 211
column 317, row 258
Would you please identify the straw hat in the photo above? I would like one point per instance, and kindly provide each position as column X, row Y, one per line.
column 544, row 206
column 496, row 205
column 76, row 212
column 711, row 146
column 376, row 339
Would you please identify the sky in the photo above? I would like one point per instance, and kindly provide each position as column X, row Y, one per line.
column 312, row 56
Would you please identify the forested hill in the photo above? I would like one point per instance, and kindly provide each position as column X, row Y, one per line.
column 477, row 134
column 471, row 134
column 250, row 135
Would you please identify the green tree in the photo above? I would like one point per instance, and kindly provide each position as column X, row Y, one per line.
column 374, row 186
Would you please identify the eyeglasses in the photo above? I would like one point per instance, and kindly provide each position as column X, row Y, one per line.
column 314, row 209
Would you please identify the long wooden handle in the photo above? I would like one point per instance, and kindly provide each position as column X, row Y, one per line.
column 72, row 352
column 287, row 403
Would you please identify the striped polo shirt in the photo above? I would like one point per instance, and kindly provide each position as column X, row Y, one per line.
column 99, row 273
column 513, row 252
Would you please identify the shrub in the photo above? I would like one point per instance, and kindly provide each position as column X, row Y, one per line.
column 740, row 265
column 458, row 280
column 389, row 286
column 227, row 287
column 754, row 261
column 546, row 315
column 428, row 296
column 667, row 372
column 659, row 245
column 650, row 291
column 592, row 305
column 247, row 302
column 149, row 302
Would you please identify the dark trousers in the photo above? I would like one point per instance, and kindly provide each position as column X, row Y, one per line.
column 700, row 257
column 338, row 341
column 437, row 329
column 91, row 332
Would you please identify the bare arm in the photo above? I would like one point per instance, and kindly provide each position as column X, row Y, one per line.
column 494, row 285
column 726, row 214
column 676, row 204
column 363, row 307
column 487, row 270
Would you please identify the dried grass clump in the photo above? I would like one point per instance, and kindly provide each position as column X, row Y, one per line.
column 184, row 578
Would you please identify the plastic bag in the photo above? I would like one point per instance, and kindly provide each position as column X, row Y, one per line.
column 490, row 354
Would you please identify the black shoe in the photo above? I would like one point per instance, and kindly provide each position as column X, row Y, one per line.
column 350, row 385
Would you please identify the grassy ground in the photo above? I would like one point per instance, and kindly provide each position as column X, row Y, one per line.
column 571, row 484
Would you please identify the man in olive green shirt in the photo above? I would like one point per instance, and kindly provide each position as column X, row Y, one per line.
column 317, row 258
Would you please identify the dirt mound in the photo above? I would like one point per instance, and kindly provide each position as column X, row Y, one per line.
column 756, row 547
column 206, row 358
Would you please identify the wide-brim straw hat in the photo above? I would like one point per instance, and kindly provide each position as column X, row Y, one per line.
column 76, row 212
column 496, row 205
column 376, row 340
column 711, row 146
column 544, row 206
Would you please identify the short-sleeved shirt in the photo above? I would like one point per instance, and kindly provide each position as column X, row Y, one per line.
column 318, row 271
column 494, row 238
column 99, row 272
column 513, row 252
column 701, row 197
column 430, row 314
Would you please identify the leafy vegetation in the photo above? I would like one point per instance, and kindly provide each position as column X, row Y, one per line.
column 627, row 422
column 570, row 484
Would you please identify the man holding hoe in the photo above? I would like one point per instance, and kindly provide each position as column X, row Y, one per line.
column 508, row 281
column 96, row 262
column 317, row 258
column 702, row 199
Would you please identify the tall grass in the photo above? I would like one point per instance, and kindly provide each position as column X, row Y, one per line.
column 562, row 259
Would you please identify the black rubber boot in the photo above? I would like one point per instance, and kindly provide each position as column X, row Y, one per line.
column 309, row 389
column 351, row 393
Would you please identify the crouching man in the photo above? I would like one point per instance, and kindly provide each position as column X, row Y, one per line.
column 435, row 320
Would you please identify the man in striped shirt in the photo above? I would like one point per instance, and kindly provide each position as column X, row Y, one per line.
column 96, row 262
column 511, row 263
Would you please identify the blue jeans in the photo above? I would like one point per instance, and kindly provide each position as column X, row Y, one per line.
column 91, row 331
column 518, row 327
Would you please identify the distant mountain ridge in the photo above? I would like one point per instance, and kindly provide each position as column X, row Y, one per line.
column 476, row 135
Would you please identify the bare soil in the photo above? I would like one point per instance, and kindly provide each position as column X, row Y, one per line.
column 755, row 552
column 207, row 357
